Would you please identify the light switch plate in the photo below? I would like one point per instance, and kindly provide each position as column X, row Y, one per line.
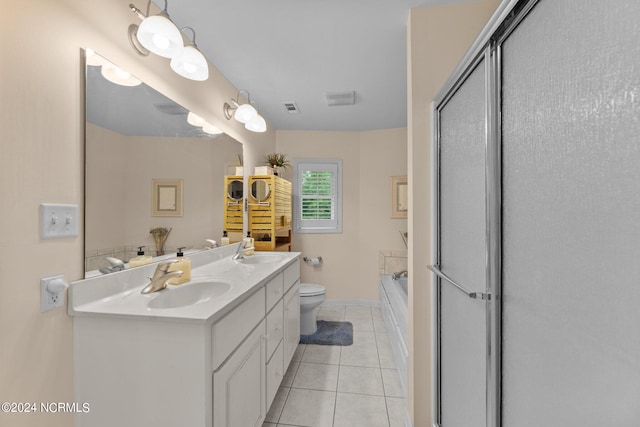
column 58, row 221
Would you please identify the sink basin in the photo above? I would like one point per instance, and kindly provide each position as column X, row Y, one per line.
column 262, row 259
column 189, row 294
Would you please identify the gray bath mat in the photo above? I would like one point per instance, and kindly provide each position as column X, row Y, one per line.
column 330, row 333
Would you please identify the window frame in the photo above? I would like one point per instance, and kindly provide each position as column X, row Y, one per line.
column 310, row 226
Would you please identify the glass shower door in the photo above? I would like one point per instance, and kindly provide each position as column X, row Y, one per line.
column 462, row 255
column 571, row 216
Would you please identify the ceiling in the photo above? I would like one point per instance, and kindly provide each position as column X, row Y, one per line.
column 297, row 50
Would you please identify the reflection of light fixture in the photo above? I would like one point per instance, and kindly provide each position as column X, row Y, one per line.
column 159, row 34
column 211, row 129
column 190, row 62
column 109, row 71
column 195, row 120
column 245, row 113
column 119, row 76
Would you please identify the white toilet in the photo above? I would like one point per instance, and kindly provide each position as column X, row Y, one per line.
column 311, row 296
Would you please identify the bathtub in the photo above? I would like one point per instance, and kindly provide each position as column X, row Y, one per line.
column 393, row 302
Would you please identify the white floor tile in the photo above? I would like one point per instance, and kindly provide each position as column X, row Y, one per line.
column 297, row 356
column 309, row 408
column 391, row 381
column 333, row 313
column 358, row 410
column 329, row 354
column 361, row 324
column 287, row 380
column 278, row 403
column 316, row 376
column 358, row 379
column 357, row 312
column 397, row 409
column 363, row 351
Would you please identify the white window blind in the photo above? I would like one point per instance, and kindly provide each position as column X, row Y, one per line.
column 317, row 196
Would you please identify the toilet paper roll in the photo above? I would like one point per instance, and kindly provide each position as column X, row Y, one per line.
column 314, row 261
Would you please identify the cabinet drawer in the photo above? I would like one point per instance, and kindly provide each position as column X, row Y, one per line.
column 275, row 373
column 232, row 329
column 274, row 291
column 275, row 328
column 291, row 274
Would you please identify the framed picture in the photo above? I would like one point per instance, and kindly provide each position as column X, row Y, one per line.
column 399, row 197
column 166, row 197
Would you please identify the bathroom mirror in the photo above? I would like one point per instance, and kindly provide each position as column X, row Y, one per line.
column 234, row 190
column 136, row 136
column 260, row 190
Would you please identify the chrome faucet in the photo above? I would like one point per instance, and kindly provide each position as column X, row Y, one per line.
column 160, row 277
column 240, row 251
column 116, row 265
column 399, row 274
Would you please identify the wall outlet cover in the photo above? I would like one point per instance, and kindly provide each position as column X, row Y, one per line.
column 57, row 221
column 50, row 300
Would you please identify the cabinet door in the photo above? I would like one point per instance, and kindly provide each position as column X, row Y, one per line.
column 239, row 385
column 291, row 323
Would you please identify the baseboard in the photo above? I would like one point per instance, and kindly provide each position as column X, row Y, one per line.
column 362, row 302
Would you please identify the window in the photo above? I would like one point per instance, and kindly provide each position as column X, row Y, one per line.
column 317, row 193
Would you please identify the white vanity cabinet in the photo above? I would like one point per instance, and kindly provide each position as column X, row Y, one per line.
column 148, row 369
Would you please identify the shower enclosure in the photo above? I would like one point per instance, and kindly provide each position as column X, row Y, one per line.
column 537, row 225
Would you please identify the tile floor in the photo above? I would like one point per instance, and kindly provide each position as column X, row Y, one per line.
column 342, row 386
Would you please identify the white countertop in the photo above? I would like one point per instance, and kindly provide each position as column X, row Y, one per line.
column 118, row 294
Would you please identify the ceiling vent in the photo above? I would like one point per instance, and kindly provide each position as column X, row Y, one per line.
column 170, row 108
column 291, row 107
column 346, row 97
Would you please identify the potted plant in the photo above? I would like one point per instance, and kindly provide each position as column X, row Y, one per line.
column 277, row 161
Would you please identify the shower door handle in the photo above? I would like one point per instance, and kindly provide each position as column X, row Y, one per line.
column 470, row 294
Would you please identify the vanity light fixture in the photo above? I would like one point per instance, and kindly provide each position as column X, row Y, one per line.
column 158, row 34
column 190, row 62
column 245, row 113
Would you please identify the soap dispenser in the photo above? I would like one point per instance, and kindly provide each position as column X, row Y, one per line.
column 183, row 264
column 249, row 243
column 141, row 259
column 225, row 238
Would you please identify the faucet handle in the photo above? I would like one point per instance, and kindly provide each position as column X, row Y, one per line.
column 163, row 267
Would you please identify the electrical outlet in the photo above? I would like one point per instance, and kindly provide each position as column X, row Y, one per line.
column 48, row 299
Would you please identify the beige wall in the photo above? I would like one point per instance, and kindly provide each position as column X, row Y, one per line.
column 437, row 38
column 41, row 133
column 369, row 159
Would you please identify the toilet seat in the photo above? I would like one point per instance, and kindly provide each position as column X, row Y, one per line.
column 311, row 290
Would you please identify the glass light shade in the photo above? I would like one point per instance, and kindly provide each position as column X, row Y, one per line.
column 245, row 113
column 158, row 34
column 256, row 124
column 118, row 76
column 195, row 120
column 211, row 129
column 191, row 64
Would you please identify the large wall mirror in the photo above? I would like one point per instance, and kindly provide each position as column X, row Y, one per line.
column 135, row 138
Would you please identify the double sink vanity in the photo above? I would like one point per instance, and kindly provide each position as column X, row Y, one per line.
column 210, row 352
